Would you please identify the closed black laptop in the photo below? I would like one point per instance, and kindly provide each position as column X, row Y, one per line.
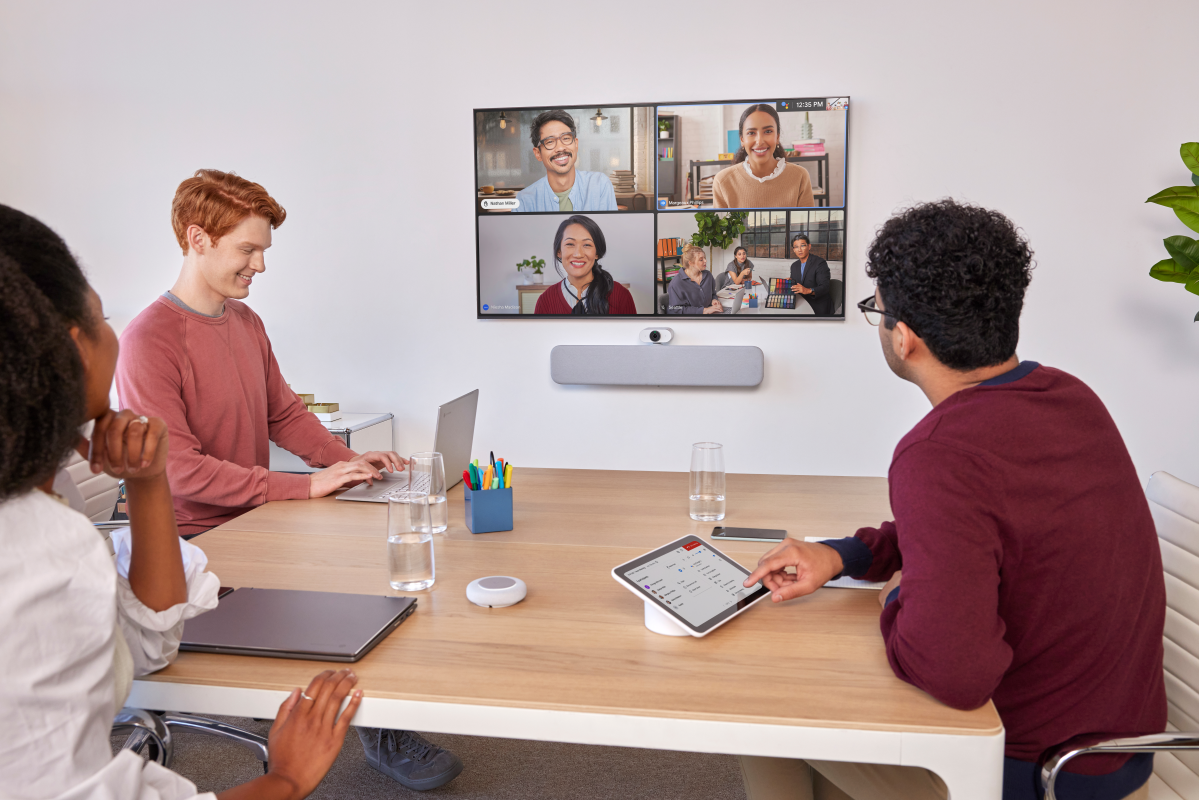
column 286, row 623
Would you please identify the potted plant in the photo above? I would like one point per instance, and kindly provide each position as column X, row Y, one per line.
column 535, row 267
column 1183, row 264
column 716, row 231
column 663, row 129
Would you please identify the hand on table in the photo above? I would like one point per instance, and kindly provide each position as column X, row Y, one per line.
column 383, row 459
column 125, row 447
column 715, row 308
column 889, row 587
column 341, row 475
column 815, row 564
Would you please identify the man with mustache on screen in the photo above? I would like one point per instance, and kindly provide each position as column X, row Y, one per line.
column 564, row 188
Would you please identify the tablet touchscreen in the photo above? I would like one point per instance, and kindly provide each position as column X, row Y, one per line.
column 693, row 582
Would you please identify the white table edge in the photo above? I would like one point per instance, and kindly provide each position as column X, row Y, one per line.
column 970, row 765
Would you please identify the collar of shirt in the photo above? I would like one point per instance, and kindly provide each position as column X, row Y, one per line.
column 1012, row 375
column 587, row 193
column 568, row 293
column 780, row 165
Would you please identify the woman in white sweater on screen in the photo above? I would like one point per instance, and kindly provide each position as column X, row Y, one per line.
column 75, row 632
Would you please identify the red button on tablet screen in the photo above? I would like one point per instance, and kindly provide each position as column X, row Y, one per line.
column 691, row 545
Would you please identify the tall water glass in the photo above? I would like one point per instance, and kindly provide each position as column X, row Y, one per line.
column 426, row 473
column 409, row 542
column 707, row 482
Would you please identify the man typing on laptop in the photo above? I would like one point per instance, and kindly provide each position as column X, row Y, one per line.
column 200, row 359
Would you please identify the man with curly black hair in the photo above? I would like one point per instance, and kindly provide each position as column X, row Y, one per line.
column 1022, row 566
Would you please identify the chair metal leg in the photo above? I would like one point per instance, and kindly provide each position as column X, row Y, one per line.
column 256, row 744
column 146, row 729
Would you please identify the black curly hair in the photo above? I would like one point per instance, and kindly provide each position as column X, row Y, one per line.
column 955, row 274
column 47, row 261
column 41, row 384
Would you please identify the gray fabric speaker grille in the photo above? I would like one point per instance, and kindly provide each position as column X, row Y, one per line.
column 656, row 365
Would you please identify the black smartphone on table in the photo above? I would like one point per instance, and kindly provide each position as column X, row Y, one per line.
column 748, row 534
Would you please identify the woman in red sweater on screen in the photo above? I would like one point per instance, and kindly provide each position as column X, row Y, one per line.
column 586, row 288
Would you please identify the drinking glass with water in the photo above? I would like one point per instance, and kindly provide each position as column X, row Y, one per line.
column 409, row 541
column 707, row 482
column 426, row 473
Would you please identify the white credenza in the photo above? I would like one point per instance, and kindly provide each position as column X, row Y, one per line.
column 361, row 432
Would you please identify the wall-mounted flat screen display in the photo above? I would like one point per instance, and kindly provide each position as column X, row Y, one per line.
column 718, row 209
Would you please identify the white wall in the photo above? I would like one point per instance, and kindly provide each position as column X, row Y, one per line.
column 357, row 117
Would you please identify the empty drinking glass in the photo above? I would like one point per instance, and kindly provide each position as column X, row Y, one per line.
column 707, row 482
column 409, row 541
column 426, row 473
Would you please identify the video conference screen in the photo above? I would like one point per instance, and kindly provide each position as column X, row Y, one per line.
column 719, row 210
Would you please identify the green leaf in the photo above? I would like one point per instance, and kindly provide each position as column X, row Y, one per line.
column 1196, row 317
column 1190, row 156
column 1178, row 197
column 1168, row 270
column 1195, row 179
column 1193, row 286
column 1188, row 218
column 1184, row 250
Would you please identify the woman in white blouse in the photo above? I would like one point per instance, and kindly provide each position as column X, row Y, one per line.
column 75, row 631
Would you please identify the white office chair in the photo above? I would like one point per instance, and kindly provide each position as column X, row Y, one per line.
column 1175, row 507
column 148, row 730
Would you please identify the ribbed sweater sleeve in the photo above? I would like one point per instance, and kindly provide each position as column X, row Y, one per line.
column 292, row 426
column 943, row 632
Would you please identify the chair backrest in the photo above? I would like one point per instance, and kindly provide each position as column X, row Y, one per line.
column 99, row 491
column 836, row 289
column 640, row 202
column 1174, row 504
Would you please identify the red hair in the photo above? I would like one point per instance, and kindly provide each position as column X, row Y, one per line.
column 217, row 202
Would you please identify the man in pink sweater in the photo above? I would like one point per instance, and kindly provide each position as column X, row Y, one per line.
column 200, row 359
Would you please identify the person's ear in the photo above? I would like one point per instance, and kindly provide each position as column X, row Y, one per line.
column 83, row 344
column 197, row 240
column 537, row 154
column 903, row 341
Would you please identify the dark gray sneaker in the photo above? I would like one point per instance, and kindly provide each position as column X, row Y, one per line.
column 408, row 758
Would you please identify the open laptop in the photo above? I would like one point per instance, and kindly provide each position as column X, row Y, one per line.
column 736, row 297
column 453, row 437
column 286, row 623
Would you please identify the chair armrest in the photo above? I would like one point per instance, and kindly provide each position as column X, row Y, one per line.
column 111, row 525
column 1152, row 743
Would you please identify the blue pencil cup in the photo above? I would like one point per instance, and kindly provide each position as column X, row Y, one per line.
column 488, row 511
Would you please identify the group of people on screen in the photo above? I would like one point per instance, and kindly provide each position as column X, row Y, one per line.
column 694, row 290
column 1021, row 567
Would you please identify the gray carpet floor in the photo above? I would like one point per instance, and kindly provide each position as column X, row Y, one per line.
column 496, row 769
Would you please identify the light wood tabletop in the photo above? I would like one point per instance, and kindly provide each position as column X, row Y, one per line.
column 577, row 642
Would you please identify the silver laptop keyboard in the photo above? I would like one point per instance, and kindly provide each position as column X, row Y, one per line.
column 420, row 482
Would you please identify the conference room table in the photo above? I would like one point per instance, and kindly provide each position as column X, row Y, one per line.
column 574, row 661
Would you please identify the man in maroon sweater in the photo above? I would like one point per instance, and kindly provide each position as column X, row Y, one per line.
column 1022, row 565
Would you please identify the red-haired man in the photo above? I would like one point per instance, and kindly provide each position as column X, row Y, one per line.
column 200, row 359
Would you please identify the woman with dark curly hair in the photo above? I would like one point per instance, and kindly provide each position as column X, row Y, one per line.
column 77, row 631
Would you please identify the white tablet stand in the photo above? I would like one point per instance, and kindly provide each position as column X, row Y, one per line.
column 659, row 621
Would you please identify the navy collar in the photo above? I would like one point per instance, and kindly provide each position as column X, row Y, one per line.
column 1012, row 375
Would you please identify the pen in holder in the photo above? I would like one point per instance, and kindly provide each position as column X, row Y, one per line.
column 488, row 511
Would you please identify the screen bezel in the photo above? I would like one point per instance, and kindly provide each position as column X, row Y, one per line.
column 708, row 625
column 654, row 106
